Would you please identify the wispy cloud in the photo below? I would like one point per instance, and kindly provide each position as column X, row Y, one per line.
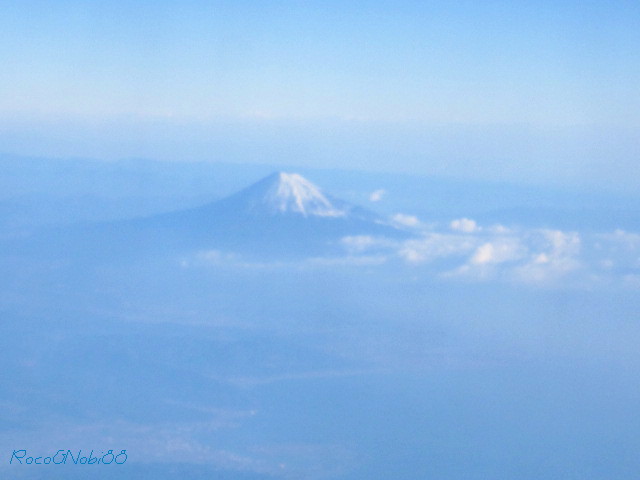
column 377, row 195
column 464, row 225
column 435, row 246
column 404, row 220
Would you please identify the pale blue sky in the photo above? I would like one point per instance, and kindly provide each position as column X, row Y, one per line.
column 543, row 91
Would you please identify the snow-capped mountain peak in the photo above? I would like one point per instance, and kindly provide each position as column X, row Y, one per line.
column 290, row 192
column 292, row 198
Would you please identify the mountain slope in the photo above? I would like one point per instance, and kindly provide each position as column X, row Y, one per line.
column 282, row 215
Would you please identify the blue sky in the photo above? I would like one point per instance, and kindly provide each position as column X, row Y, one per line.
column 519, row 91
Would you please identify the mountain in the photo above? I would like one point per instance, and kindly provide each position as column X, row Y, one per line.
column 283, row 215
column 286, row 194
column 291, row 195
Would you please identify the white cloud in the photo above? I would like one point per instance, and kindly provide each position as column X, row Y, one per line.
column 528, row 256
column 358, row 243
column 435, row 246
column 354, row 260
column 499, row 229
column 377, row 195
column 405, row 220
column 216, row 257
column 620, row 240
column 557, row 255
column 541, row 257
column 545, row 272
column 632, row 239
column 464, row 225
column 619, row 250
column 484, row 254
column 562, row 243
column 498, row 251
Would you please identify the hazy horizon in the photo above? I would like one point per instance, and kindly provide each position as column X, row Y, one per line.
column 503, row 91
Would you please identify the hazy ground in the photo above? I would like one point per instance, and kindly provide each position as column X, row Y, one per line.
column 443, row 358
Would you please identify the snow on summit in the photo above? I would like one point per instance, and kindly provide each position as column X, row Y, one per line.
column 283, row 193
column 294, row 193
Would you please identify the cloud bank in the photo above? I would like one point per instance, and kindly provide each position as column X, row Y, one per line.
column 467, row 251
